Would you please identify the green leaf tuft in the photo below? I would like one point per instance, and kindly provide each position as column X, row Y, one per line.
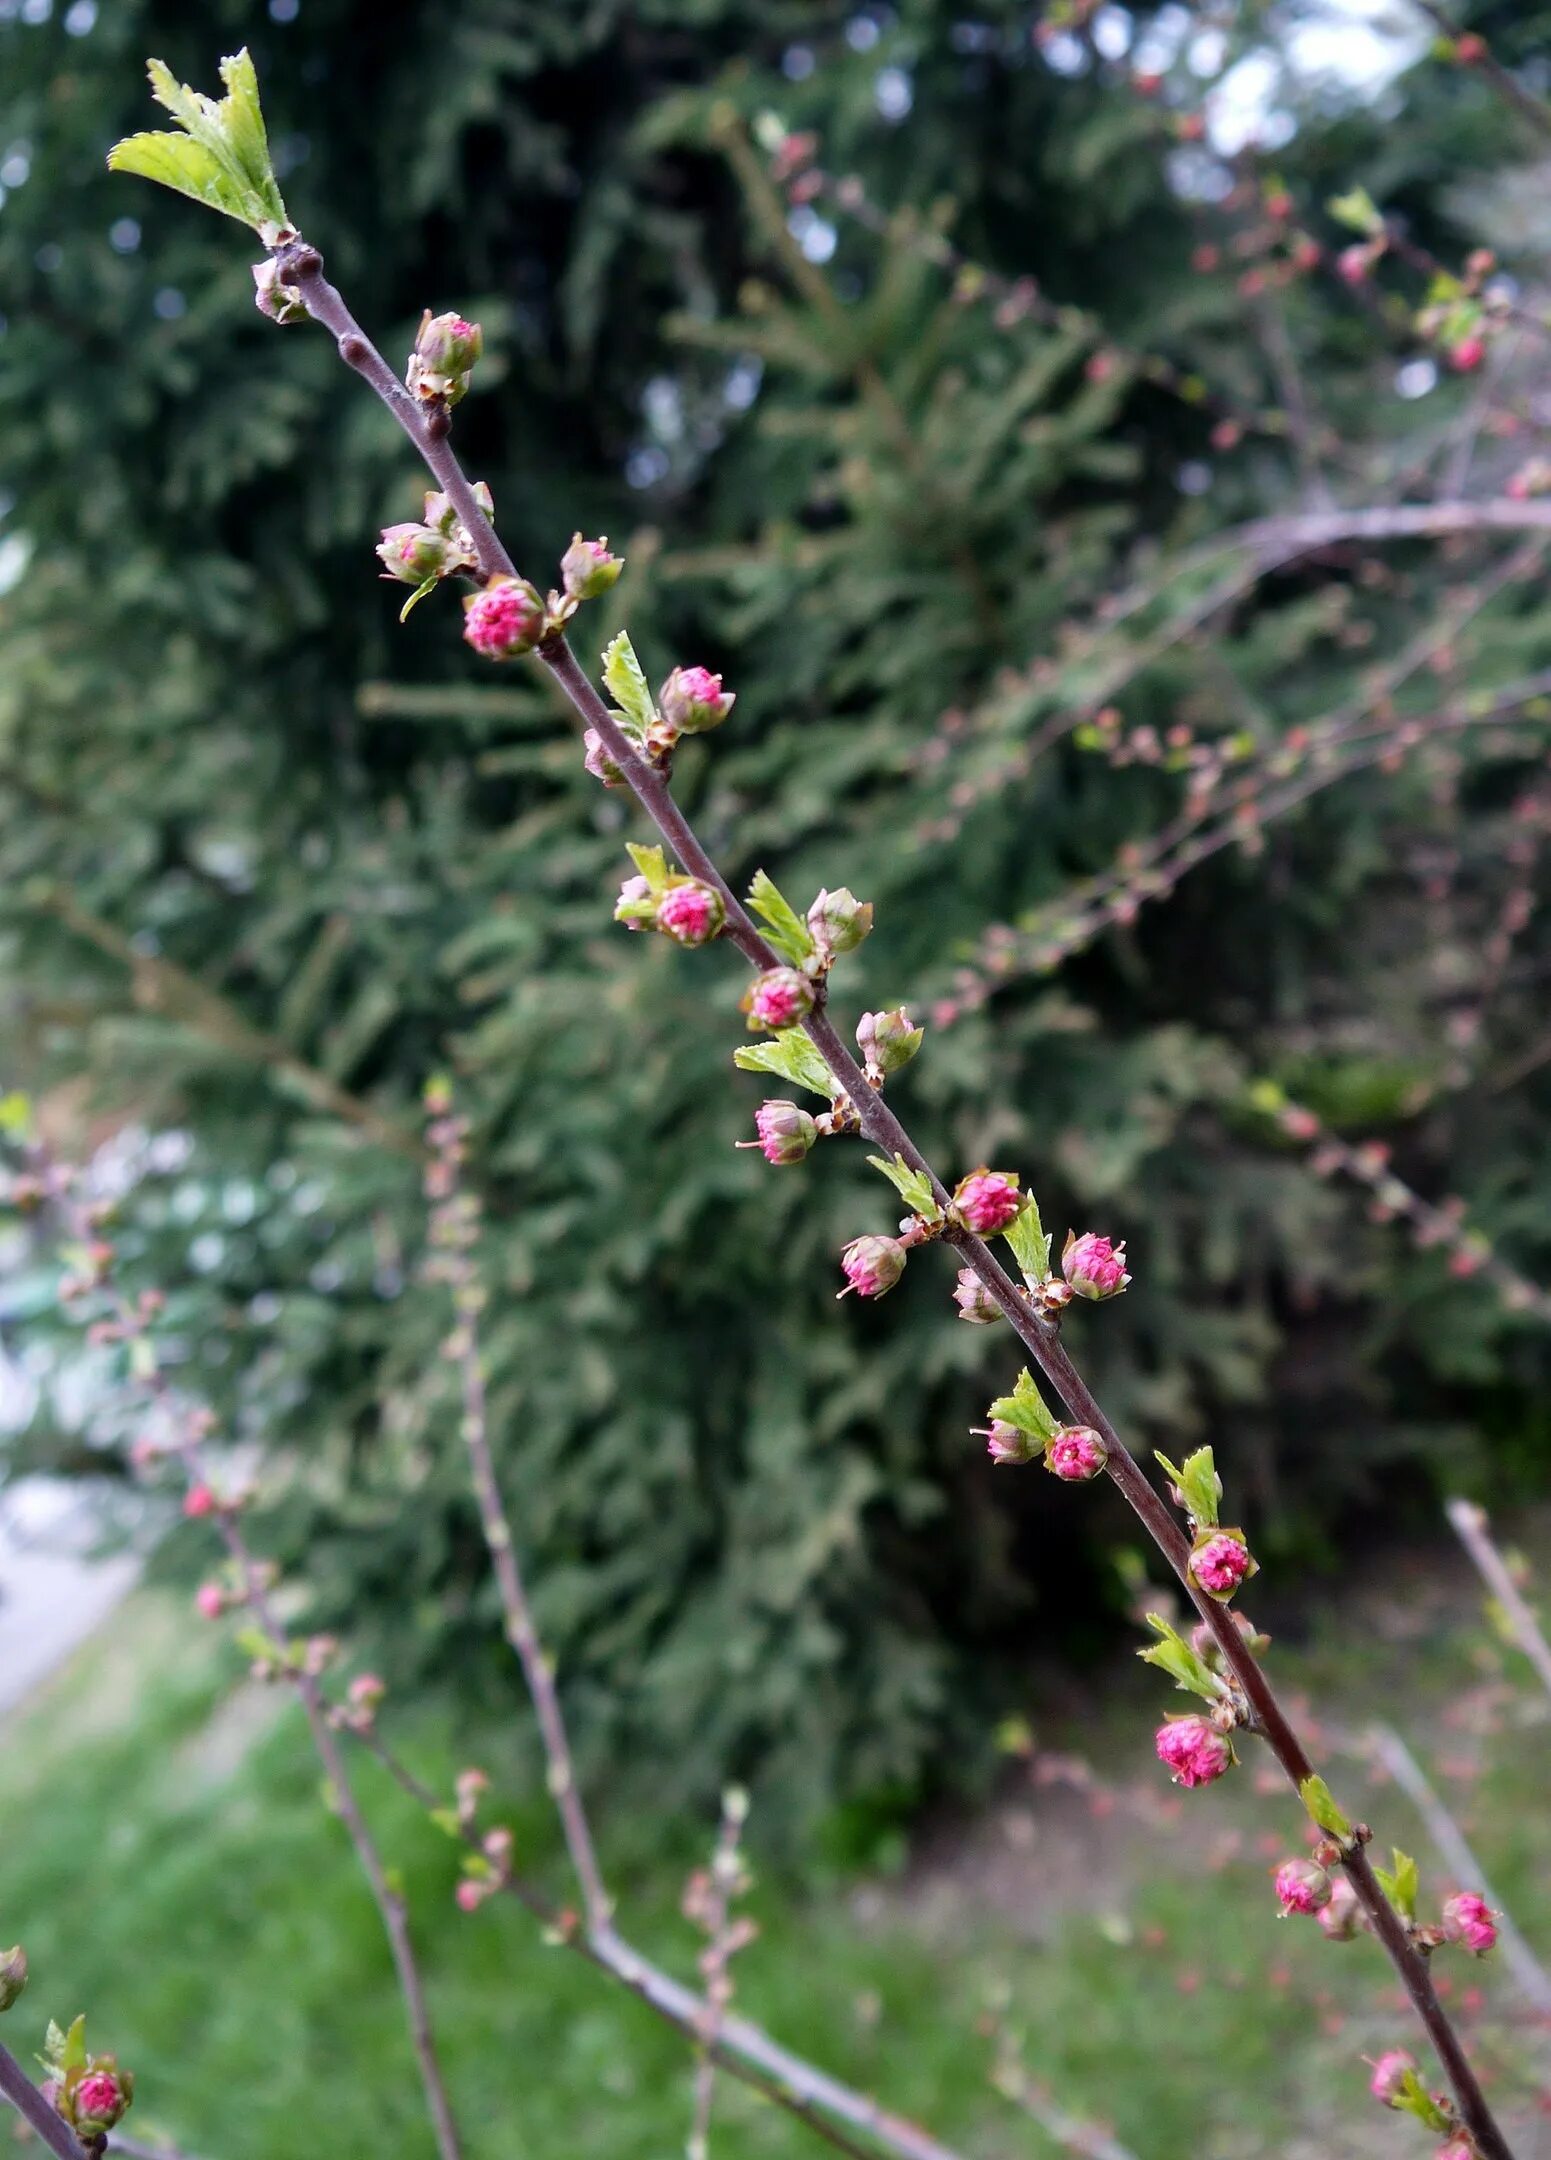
column 913, row 1186
column 625, row 681
column 790, row 1056
column 784, row 927
column 222, row 157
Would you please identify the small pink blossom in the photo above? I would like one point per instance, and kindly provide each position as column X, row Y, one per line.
column 786, row 1132
column 1220, row 1563
column 1392, row 2074
column 693, row 700
column 1468, row 1919
column 691, row 913
column 872, row 1265
column 1340, row 1917
column 1194, row 1750
column 1467, row 355
column 1302, row 1886
column 366, row 1691
column 198, row 1500
column 587, row 569
column 598, row 761
column 987, row 1201
column 779, row 999
column 1076, row 1452
column 1353, row 263
column 210, row 1601
column 1094, row 1266
column 469, row 1894
column 505, row 620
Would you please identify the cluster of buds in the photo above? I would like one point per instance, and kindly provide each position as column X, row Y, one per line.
column 363, row 1699
column 442, row 362
column 440, row 545
column 486, row 1871
column 682, row 908
column 90, row 2092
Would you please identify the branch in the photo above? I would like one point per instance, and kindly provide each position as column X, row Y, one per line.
column 300, row 265
column 17, row 2087
column 1474, row 1533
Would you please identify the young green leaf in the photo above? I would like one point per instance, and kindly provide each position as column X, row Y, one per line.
column 1025, row 1408
column 1400, row 1885
column 625, row 683
column 913, row 1186
column 222, row 157
column 1321, row 1804
column 787, row 931
column 1173, row 1655
column 1199, row 1485
column 1358, row 212
column 652, row 864
column 428, row 586
column 790, row 1056
column 1030, row 1242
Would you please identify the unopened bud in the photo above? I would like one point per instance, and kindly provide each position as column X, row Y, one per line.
column 887, row 1041
column 691, row 913
column 1339, row 1918
column 1220, row 1561
column 444, row 356
column 414, row 553
column 1093, row 1266
column 505, row 620
column 587, row 569
column 13, row 1975
column 974, row 1300
column 839, row 921
column 1302, row 1886
column 987, row 1201
column 1076, row 1452
column 598, row 762
column 778, row 999
column 692, row 701
column 872, row 1265
column 785, row 1132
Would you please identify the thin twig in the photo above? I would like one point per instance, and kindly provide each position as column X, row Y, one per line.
column 1473, row 1530
column 301, row 265
column 131, row 1325
column 17, row 2087
column 709, row 1902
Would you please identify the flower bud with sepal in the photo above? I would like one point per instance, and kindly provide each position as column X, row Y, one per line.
column 887, row 1041
column 779, row 998
column 588, row 570
column 986, row 1201
column 839, row 922
column 1008, row 1444
column 1094, row 1266
column 598, row 761
column 1193, row 1749
column 504, row 621
column 691, row 913
column 412, row 553
column 692, row 701
column 1341, row 1917
column 1302, row 1886
column 871, row 1266
column 13, row 1975
column 786, row 1132
column 1470, row 1921
column 1076, row 1453
column 443, row 359
column 1220, row 1560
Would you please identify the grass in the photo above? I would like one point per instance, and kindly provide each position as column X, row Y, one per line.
column 166, row 1859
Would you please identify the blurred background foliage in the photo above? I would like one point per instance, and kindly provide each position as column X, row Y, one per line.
column 268, row 861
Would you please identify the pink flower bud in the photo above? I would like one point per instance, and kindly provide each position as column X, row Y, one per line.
column 98, row 2100
column 1194, row 1750
column 974, row 1300
column 1076, row 1452
column 785, row 1132
column 1008, row 1443
column 587, row 569
column 1220, row 1562
column 1302, row 1886
column 505, row 620
column 839, row 921
column 210, row 1601
column 1093, row 1266
column 470, row 1894
column 282, row 303
column 871, row 1265
column 887, row 1041
column 1339, row 1919
column 366, row 1691
column 1468, row 1919
column 1354, row 262
column 198, row 1500
column 636, row 906
column 1466, row 356
column 468, row 1786
column 598, row 762
column 415, row 553
column 692, row 701
column 444, row 356
column 1392, row 2074
column 987, row 1201
column 778, row 999
column 691, row 913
